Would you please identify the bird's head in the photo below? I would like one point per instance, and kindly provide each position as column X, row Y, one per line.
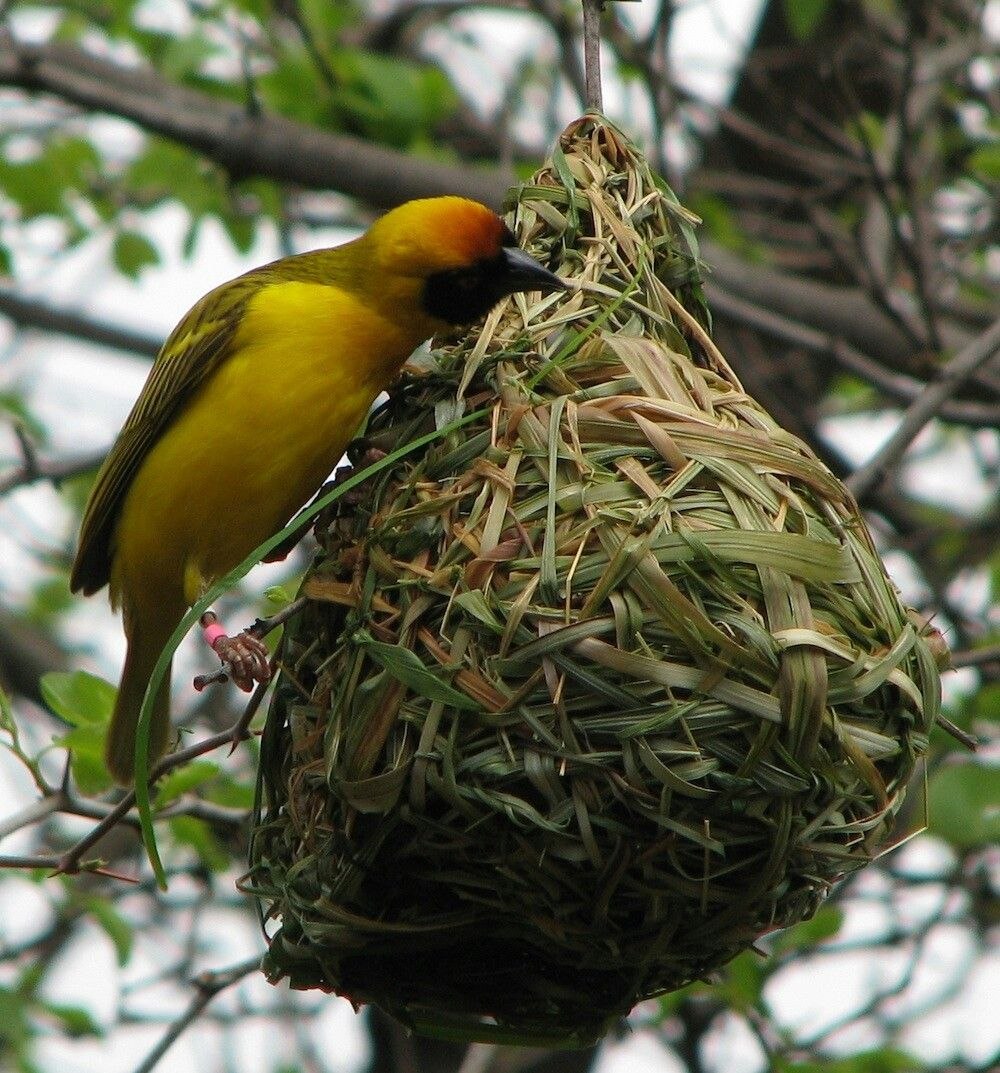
column 463, row 256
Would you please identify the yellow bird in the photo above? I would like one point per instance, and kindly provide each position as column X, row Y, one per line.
column 249, row 406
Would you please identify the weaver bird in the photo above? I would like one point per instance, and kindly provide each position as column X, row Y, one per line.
column 249, row 406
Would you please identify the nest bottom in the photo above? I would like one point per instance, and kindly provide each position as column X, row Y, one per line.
column 468, row 988
column 478, row 929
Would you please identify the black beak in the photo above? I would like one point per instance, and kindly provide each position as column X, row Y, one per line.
column 524, row 273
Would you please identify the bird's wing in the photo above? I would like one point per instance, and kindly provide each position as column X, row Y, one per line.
column 195, row 348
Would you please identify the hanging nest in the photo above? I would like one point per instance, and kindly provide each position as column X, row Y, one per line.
column 596, row 689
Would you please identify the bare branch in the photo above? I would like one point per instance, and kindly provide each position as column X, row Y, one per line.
column 207, row 985
column 895, row 385
column 975, row 356
column 33, row 313
column 977, row 657
column 69, row 863
column 559, row 17
column 55, row 470
column 841, row 311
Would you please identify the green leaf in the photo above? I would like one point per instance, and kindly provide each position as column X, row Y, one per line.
column 168, row 172
column 113, row 924
column 868, row 128
column 32, row 188
column 743, row 981
column 407, row 667
column 277, row 597
column 132, row 252
column 85, row 702
column 822, row 926
column 326, row 20
column 182, row 780
column 86, row 746
column 190, row 831
column 75, row 1020
column 7, row 723
column 883, row 1060
column 148, row 176
column 985, row 162
column 984, row 704
column 803, row 16
column 78, row 698
column 182, row 57
column 965, row 804
column 14, row 404
column 291, row 88
column 241, row 229
column 49, row 599
column 40, row 185
column 229, row 792
column 722, row 223
column 393, row 101
column 17, row 1029
column 474, row 604
column 72, row 26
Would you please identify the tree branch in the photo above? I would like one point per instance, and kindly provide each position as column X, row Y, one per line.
column 241, row 143
column 926, row 407
column 841, row 311
column 34, row 313
column 54, row 470
column 207, row 985
column 277, row 148
column 895, row 385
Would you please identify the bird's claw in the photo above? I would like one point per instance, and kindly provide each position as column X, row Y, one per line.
column 246, row 657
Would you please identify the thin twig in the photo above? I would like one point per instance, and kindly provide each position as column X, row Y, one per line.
column 976, row 657
column 928, row 405
column 30, row 864
column 963, row 737
column 564, row 27
column 34, row 469
column 69, row 863
column 35, row 313
column 207, row 985
column 32, row 814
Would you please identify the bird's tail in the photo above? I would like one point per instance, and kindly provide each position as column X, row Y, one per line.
column 145, row 642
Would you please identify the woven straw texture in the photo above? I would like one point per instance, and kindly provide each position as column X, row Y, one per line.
column 595, row 690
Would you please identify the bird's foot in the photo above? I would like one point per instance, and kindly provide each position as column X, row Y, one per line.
column 245, row 655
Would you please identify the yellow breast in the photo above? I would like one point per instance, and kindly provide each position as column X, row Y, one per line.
column 259, row 437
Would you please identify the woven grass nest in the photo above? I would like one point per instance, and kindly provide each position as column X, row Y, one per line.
column 594, row 690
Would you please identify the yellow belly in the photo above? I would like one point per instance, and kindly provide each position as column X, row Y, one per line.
column 256, row 441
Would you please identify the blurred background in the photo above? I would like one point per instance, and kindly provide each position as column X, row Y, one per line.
column 844, row 156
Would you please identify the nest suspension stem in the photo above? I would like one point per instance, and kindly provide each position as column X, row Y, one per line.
column 592, row 53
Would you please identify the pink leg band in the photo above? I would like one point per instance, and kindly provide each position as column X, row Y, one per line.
column 213, row 632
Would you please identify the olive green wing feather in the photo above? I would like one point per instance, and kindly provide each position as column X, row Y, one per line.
column 195, row 348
